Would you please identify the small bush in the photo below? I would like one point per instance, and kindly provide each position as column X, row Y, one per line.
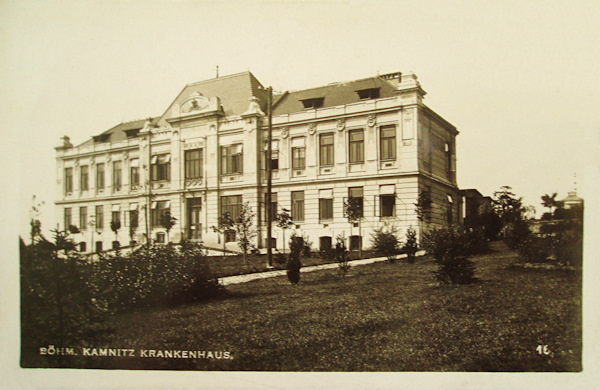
column 341, row 255
column 280, row 258
column 385, row 242
column 449, row 247
column 293, row 264
column 306, row 246
column 515, row 233
column 412, row 245
column 536, row 249
column 476, row 241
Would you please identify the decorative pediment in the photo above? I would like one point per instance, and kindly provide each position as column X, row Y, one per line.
column 194, row 103
column 193, row 107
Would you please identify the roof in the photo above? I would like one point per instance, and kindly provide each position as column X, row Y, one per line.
column 471, row 192
column 572, row 198
column 118, row 132
column 234, row 92
column 335, row 94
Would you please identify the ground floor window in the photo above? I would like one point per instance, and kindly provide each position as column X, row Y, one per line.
column 160, row 237
column 388, row 205
column 324, row 242
column 355, row 243
column 98, row 246
column 82, row 246
column 230, row 236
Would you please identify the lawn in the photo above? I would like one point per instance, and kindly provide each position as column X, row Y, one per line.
column 381, row 317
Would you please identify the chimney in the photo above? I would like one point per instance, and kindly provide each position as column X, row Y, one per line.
column 393, row 78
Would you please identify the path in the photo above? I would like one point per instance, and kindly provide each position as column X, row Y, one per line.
column 237, row 279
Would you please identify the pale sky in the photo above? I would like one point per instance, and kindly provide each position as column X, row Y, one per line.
column 519, row 79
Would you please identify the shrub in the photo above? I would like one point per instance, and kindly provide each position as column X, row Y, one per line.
column 536, row 249
column 155, row 275
column 385, row 242
column 58, row 305
column 327, row 254
column 280, row 258
column 449, row 248
column 515, row 233
column 476, row 241
column 293, row 264
column 341, row 255
column 306, row 246
column 412, row 245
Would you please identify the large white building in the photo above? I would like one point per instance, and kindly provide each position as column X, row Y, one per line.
column 372, row 139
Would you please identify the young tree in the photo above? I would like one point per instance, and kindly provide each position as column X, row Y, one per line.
column 245, row 230
column 284, row 221
column 423, row 206
column 385, row 241
column 293, row 264
column 133, row 225
column 168, row 221
column 341, row 255
column 353, row 210
column 224, row 227
column 412, row 245
column 550, row 202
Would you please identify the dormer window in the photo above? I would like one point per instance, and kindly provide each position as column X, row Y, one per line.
column 371, row 93
column 313, row 103
column 133, row 133
column 101, row 138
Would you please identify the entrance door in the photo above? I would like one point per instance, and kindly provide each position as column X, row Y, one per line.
column 194, row 207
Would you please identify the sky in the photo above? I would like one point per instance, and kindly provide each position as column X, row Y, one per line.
column 519, row 79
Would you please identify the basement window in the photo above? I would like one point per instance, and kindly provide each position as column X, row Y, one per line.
column 371, row 93
column 313, row 103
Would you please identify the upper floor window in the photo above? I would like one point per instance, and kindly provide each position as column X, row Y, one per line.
column 387, row 136
column 67, row 216
column 84, row 177
column 68, row 180
column 298, row 206
column 193, row 164
column 313, row 103
column 117, row 175
column 99, row 217
column 231, row 159
column 274, row 154
column 134, row 172
column 82, row 218
column 298, row 153
column 100, row 176
column 325, row 204
column 371, row 93
column 355, row 196
column 357, row 146
column 326, row 149
column 161, row 167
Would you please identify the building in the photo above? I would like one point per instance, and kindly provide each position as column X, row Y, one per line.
column 474, row 205
column 373, row 139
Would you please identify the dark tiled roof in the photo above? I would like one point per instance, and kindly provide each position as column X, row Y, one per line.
column 334, row 94
column 234, row 92
column 118, row 132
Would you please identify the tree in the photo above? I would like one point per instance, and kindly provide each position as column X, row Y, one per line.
column 549, row 201
column 244, row 229
column 133, row 225
column 423, row 206
column 293, row 264
column 508, row 206
column 341, row 255
column 284, row 221
column 412, row 245
column 36, row 225
column 168, row 221
column 224, row 227
column 353, row 210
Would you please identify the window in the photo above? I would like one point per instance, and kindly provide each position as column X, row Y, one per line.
column 313, row 103
column 388, row 205
column 232, row 205
column 82, row 218
column 298, row 206
column 134, row 172
column 449, row 210
column 325, row 204
column 159, row 210
column 100, row 176
column 161, row 167
column 298, row 153
column 68, row 180
column 67, row 220
column 99, row 217
column 324, row 243
column 84, row 178
column 116, row 175
column 371, row 93
column 231, row 159
column 133, row 218
column 82, row 246
column 355, row 243
column 273, row 206
column 388, row 142
column 160, row 237
column 355, row 195
column 326, row 149
column 193, row 164
column 116, row 216
column 357, row 146
column 274, row 155
column 98, row 246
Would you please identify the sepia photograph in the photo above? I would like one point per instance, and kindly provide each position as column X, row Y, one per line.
column 300, row 194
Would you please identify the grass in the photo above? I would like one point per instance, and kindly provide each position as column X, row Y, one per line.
column 382, row 317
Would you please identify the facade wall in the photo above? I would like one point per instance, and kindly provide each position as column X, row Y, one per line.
column 423, row 159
